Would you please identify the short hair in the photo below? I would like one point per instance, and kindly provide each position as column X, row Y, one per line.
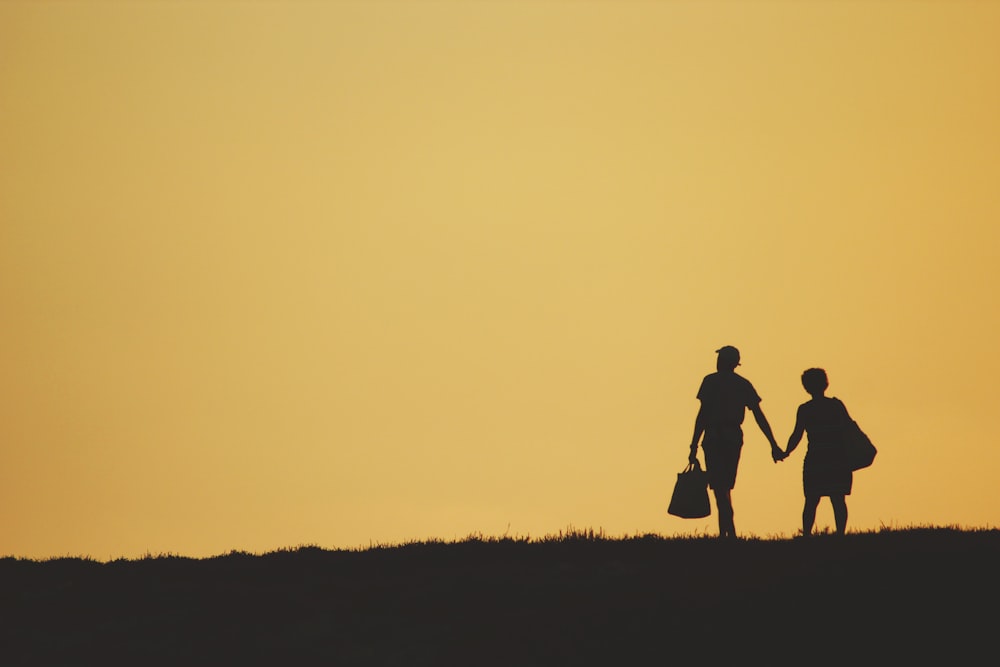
column 814, row 380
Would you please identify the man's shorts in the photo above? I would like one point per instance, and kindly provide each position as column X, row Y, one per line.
column 722, row 456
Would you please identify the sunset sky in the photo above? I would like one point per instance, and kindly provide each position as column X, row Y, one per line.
column 343, row 273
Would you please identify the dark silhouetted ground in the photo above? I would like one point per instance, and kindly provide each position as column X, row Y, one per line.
column 917, row 596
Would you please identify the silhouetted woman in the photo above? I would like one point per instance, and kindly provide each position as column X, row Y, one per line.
column 825, row 471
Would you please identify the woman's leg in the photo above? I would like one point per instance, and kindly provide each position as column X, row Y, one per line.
column 809, row 515
column 840, row 513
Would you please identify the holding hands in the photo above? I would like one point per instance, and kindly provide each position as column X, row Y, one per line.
column 777, row 454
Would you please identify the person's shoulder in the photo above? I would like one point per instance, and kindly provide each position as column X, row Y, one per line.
column 706, row 385
column 744, row 381
column 839, row 404
column 724, row 379
column 813, row 404
column 710, row 379
column 746, row 388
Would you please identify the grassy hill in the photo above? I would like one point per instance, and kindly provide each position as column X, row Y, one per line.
column 916, row 595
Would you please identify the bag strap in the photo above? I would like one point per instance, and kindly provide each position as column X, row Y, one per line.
column 843, row 407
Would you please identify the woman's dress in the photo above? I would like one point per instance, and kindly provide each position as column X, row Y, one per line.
column 825, row 471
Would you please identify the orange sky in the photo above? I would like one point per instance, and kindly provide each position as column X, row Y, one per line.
column 348, row 272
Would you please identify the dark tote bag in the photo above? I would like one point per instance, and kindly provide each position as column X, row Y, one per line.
column 860, row 450
column 690, row 497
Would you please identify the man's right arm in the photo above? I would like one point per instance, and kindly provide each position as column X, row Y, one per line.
column 765, row 428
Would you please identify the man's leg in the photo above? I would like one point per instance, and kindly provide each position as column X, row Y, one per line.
column 722, row 457
column 724, row 505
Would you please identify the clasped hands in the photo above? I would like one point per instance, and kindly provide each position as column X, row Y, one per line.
column 777, row 454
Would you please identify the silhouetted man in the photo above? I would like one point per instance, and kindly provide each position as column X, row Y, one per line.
column 725, row 397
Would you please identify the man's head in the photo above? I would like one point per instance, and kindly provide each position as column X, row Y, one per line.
column 728, row 359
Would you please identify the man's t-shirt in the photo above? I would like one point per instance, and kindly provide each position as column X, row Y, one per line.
column 724, row 398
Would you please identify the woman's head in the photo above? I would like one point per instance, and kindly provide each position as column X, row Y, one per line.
column 814, row 380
